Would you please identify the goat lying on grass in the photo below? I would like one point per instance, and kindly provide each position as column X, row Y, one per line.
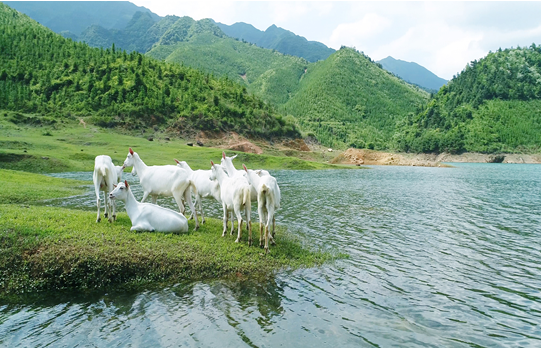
column 147, row 216
column 165, row 180
column 268, row 201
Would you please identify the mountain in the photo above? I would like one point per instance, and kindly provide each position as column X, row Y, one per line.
column 42, row 72
column 344, row 100
column 493, row 105
column 131, row 38
column 73, row 17
column 201, row 44
column 413, row 73
column 348, row 99
column 278, row 39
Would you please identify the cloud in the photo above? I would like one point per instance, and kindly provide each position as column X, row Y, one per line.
column 351, row 34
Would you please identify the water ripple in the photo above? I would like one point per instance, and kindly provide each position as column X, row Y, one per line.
column 438, row 257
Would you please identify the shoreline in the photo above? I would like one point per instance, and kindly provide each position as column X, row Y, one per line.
column 371, row 157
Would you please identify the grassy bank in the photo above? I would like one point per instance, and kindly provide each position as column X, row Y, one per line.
column 37, row 146
column 49, row 248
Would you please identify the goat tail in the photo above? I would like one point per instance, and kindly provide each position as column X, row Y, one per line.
column 192, row 186
column 103, row 172
column 247, row 199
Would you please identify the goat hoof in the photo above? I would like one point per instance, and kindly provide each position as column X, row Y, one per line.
column 98, row 220
column 273, row 242
column 236, row 240
column 249, row 242
column 267, row 251
column 106, row 214
column 114, row 217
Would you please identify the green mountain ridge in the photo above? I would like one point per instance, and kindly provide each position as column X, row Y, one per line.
column 42, row 72
column 345, row 100
column 279, row 39
column 348, row 99
column 493, row 105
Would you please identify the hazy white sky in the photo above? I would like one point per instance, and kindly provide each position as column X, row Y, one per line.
column 439, row 35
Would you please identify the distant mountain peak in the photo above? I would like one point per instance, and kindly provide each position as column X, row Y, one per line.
column 413, row 73
column 278, row 39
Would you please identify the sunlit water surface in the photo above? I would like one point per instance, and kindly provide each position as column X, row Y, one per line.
column 438, row 257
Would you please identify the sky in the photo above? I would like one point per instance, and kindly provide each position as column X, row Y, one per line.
column 442, row 36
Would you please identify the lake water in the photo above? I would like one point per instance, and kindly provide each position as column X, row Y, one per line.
column 439, row 257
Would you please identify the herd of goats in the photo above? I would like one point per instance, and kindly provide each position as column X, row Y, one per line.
column 234, row 189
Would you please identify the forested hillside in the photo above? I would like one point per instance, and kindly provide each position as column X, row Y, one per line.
column 493, row 105
column 349, row 100
column 42, row 72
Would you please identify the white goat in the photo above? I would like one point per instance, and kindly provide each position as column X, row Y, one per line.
column 204, row 186
column 104, row 177
column 165, row 180
column 119, row 171
column 268, row 201
column 235, row 195
column 227, row 163
column 146, row 216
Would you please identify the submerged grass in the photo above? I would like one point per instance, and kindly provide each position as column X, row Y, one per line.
column 50, row 248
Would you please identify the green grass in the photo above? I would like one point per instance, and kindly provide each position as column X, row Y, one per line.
column 68, row 146
column 50, row 248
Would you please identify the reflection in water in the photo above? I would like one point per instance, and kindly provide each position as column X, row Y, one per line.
column 438, row 257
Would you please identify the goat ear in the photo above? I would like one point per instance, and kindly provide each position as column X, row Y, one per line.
column 114, row 185
column 176, row 160
column 126, row 183
column 258, row 172
column 131, row 151
column 244, row 166
column 234, row 156
column 223, row 154
column 212, row 163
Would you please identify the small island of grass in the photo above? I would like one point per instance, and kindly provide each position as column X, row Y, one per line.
column 52, row 248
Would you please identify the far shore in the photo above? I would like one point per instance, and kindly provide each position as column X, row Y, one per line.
column 371, row 157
